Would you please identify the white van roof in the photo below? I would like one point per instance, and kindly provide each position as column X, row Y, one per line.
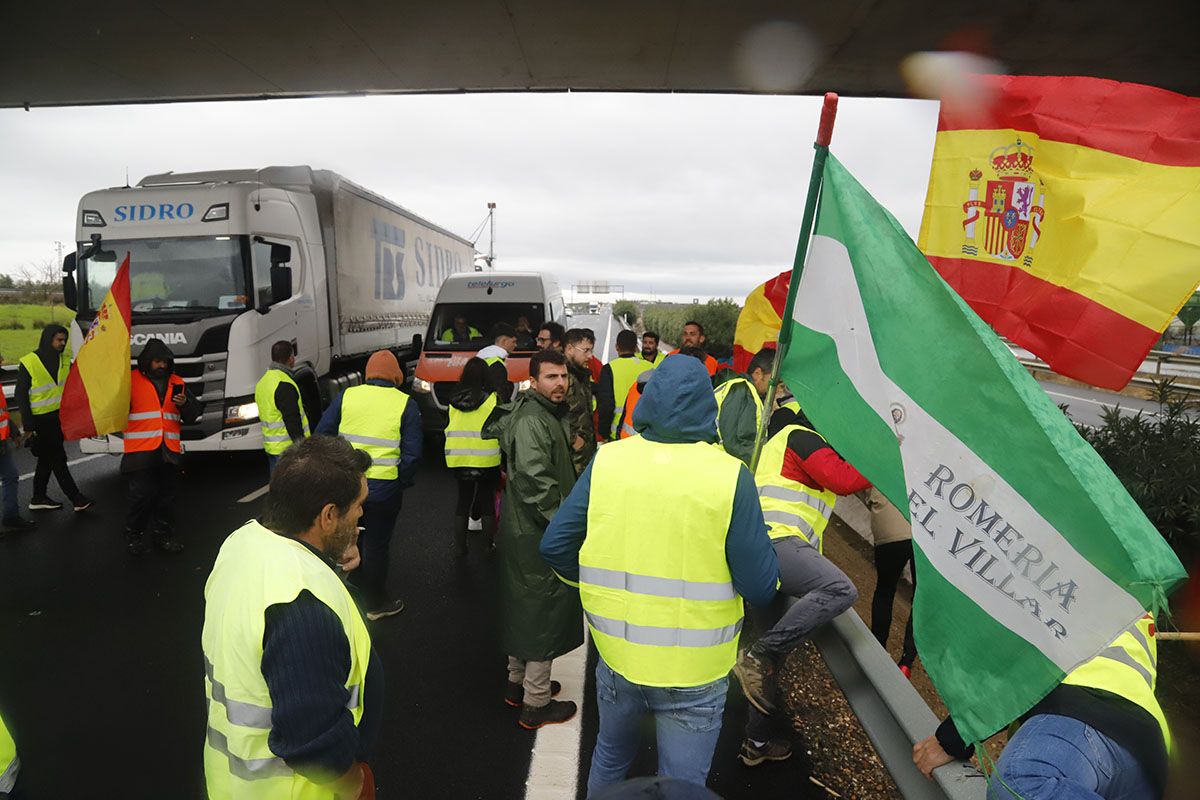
column 497, row 287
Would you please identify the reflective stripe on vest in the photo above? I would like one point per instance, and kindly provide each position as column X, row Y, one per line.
column 1129, row 668
column 256, row 569
column 4, row 425
column 152, row 422
column 465, row 446
column 10, row 765
column 659, row 619
column 631, row 401
column 371, row 422
column 270, row 418
column 722, row 394
column 789, row 507
column 625, row 371
column 45, row 393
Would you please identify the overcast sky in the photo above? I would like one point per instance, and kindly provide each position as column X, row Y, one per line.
column 680, row 195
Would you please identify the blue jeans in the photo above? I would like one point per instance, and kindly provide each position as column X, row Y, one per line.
column 271, row 462
column 8, row 481
column 687, row 720
column 1059, row 758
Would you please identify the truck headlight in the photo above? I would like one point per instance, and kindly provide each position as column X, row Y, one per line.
column 241, row 413
column 422, row 386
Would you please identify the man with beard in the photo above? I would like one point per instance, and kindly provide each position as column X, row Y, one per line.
column 158, row 402
column 40, row 380
column 693, row 336
column 581, row 423
column 540, row 616
column 650, row 352
column 294, row 688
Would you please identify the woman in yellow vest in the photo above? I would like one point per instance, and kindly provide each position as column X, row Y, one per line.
column 1099, row 734
column 474, row 460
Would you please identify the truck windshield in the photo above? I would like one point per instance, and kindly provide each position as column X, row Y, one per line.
column 178, row 276
column 468, row 326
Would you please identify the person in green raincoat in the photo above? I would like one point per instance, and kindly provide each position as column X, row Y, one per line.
column 541, row 617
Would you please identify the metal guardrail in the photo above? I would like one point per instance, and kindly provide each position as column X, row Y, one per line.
column 1145, row 383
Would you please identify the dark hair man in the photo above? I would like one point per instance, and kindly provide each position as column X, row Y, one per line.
column 650, row 352
column 40, row 380
column 379, row 419
column 578, row 350
column 159, row 401
column 292, row 680
column 504, row 341
column 693, row 336
column 539, row 615
column 460, row 332
column 662, row 575
column 550, row 336
column 740, row 405
column 280, row 410
column 616, row 379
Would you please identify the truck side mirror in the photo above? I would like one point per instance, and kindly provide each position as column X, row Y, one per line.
column 280, row 253
column 417, row 343
column 281, row 280
column 70, row 296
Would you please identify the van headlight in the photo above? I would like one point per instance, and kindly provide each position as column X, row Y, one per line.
column 422, row 386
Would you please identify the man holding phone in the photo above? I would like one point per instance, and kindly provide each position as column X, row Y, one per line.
column 159, row 402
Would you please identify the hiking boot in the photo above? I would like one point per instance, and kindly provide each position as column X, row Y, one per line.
column 774, row 750
column 754, row 672
column 514, row 693
column 386, row 610
column 168, row 543
column 44, row 504
column 19, row 524
column 552, row 713
column 136, row 543
column 83, row 503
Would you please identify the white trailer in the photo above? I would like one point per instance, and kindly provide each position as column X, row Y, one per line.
column 224, row 264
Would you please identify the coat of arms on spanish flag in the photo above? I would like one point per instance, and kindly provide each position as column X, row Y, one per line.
column 95, row 397
column 1067, row 215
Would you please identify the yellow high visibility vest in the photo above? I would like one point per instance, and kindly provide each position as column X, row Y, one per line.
column 625, row 373
column 659, row 357
column 10, row 765
column 45, row 391
column 256, row 569
column 448, row 334
column 722, row 394
column 790, row 507
column 1129, row 668
column 653, row 579
column 274, row 432
column 465, row 445
column 371, row 422
column 792, row 405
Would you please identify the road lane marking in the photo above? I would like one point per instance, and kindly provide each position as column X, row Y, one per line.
column 28, row 475
column 554, row 763
column 607, row 339
column 257, row 493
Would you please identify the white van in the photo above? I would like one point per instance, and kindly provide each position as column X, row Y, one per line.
column 467, row 306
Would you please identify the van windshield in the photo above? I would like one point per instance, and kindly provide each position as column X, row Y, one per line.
column 468, row 326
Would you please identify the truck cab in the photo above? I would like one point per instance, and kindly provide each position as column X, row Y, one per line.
column 467, row 306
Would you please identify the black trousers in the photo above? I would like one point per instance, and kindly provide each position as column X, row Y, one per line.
column 378, row 522
column 890, row 560
column 477, row 496
column 51, row 457
column 152, row 499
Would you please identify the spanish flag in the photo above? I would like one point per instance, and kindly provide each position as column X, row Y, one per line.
column 760, row 319
column 1067, row 215
column 95, row 398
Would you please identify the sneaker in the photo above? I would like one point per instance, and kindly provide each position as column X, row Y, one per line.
column 474, row 524
column 552, row 713
column 774, row 750
column 83, row 503
column 390, row 609
column 19, row 524
column 753, row 673
column 514, row 693
column 44, row 504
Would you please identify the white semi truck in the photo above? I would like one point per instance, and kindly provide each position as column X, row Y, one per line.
column 223, row 264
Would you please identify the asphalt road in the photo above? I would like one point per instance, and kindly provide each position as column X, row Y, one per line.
column 1085, row 405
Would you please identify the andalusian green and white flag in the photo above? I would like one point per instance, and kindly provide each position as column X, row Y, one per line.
column 1031, row 556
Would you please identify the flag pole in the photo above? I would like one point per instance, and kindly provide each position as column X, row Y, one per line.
column 821, row 146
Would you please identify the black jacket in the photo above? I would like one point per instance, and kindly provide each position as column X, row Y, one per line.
column 49, row 358
column 189, row 411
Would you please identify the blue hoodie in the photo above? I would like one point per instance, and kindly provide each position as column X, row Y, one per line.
column 677, row 407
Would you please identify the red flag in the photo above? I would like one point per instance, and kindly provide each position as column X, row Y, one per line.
column 95, row 398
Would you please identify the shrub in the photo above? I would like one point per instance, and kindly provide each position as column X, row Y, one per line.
column 626, row 310
column 12, row 325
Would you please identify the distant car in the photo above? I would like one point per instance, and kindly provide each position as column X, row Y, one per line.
column 593, row 308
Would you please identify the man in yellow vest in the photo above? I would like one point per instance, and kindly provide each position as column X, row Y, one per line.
column 379, row 419
column 292, row 683
column 650, row 352
column 159, row 403
column 280, row 408
column 616, row 378
column 40, row 380
column 740, row 401
column 662, row 575
column 1099, row 733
